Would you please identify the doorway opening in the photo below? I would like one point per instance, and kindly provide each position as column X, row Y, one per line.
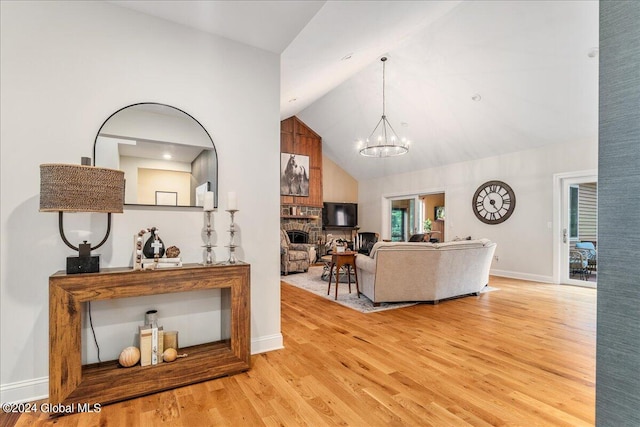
column 576, row 211
column 433, row 216
column 402, row 219
column 407, row 216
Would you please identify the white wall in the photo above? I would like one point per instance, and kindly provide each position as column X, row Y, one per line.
column 131, row 165
column 138, row 124
column 525, row 245
column 66, row 66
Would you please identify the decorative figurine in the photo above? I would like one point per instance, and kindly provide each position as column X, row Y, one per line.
column 172, row 252
column 154, row 243
column 154, row 246
column 151, row 256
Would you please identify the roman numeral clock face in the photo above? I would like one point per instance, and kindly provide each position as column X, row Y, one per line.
column 494, row 202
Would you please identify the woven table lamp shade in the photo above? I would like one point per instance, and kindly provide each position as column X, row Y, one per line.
column 79, row 188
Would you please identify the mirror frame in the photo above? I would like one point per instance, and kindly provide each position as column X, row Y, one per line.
column 215, row 201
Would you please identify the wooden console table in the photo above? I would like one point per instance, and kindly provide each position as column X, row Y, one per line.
column 72, row 383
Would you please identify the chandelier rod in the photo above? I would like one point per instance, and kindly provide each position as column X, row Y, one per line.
column 384, row 60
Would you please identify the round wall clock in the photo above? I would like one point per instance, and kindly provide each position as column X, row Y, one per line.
column 493, row 202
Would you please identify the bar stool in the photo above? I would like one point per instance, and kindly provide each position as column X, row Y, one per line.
column 348, row 260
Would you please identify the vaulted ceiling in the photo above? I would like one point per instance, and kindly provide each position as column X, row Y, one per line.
column 464, row 79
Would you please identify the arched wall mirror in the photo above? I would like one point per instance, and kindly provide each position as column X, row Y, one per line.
column 167, row 156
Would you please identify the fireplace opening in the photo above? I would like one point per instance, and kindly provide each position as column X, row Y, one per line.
column 298, row 236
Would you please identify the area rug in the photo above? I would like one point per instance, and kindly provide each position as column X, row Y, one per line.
column 312, row 282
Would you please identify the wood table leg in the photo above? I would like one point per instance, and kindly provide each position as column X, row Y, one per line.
column 355, row 270
column 330, row 276
column 349, row 262
column 338, row 266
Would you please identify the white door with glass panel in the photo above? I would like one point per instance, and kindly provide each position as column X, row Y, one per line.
column 579, row 231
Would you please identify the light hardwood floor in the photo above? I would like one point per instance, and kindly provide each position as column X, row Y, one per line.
column 520, row 356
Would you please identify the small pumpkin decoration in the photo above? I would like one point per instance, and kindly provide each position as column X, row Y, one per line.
column 170, row 355
column 129, row 357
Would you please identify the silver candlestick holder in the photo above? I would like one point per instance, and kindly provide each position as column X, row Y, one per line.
column 209, row 231
column 232, row 244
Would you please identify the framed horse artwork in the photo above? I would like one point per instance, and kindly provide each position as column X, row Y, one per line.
column 294, row 175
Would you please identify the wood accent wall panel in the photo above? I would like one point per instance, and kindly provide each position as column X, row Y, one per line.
column 297, row 138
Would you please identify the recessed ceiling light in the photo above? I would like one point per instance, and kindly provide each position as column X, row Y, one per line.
column 167, row 156
column 346, row 57
column 593, row 52
column 476, row 97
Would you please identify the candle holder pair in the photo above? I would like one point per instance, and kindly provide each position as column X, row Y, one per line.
column 232, row 246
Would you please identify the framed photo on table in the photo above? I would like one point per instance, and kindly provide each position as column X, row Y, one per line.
column 166, row 198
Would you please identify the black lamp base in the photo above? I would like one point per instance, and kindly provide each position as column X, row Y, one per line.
column 83, row 264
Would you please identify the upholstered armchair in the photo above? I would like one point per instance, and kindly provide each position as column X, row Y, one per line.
column 367, row 240
column 294, row 257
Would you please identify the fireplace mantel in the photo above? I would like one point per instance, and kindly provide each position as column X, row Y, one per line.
column 311, row 217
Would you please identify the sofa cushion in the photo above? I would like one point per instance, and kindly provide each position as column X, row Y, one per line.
column 400, row 245
column 462, row 244
column 366, row 263
column 585, row 245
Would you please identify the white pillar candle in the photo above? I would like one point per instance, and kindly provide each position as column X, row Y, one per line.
column 232, row 202
column 208, row 201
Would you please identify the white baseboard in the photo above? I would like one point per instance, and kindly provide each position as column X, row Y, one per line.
column 267, row 343
column 522, row 276
column 38, row 388
column 25, row 391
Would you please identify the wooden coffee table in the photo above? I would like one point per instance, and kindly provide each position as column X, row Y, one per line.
column 339, row 260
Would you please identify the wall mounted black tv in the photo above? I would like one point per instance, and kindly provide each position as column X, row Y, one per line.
column 339, row 214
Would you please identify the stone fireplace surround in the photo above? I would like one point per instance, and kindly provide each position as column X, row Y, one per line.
column 310, row 221
column 298, row 236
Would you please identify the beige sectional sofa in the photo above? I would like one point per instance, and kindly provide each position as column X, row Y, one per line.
column 421, row 271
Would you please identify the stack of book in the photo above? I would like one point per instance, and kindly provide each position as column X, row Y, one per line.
column 162, row 263
column 151, row 345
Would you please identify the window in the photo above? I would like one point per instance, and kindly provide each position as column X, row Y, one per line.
column 397, row 224
column 573, row 212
